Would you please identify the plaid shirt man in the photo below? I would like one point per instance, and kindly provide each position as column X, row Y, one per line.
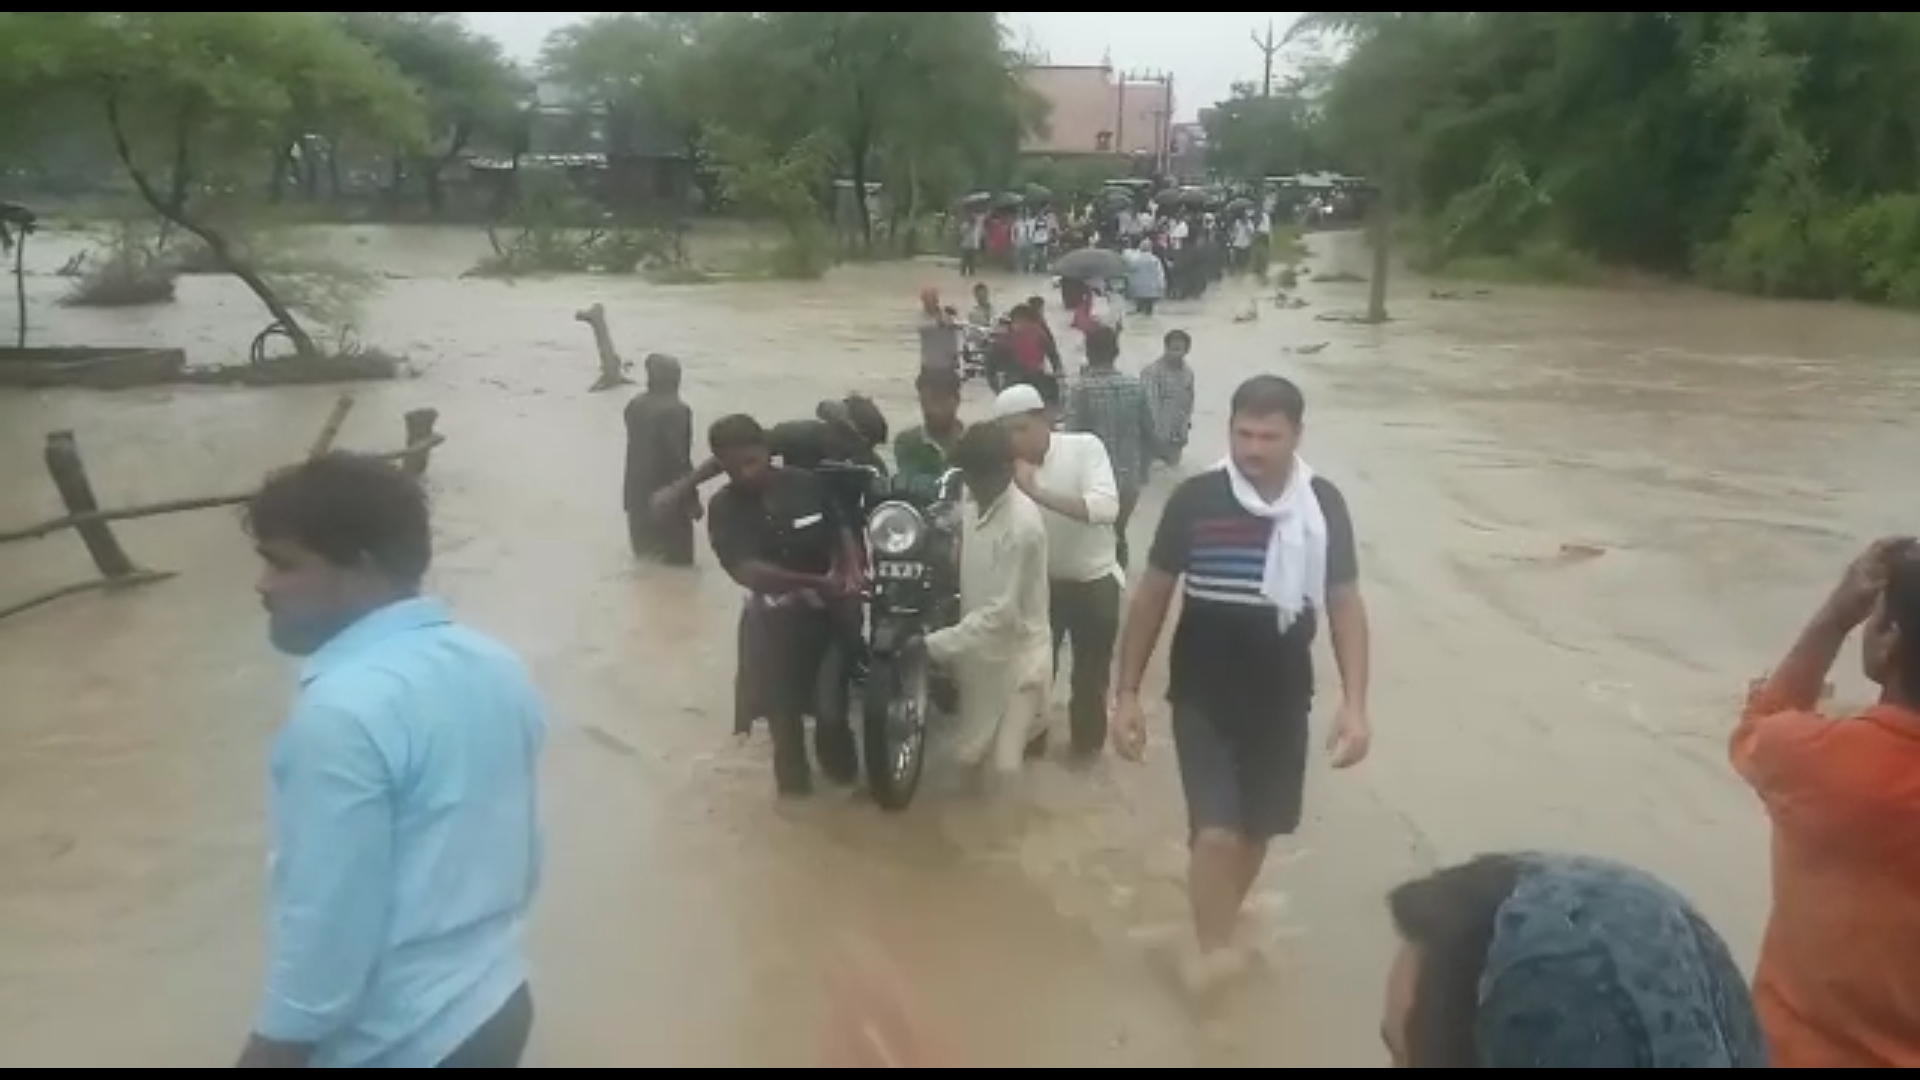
column 1169, row 386
column 1113, row 405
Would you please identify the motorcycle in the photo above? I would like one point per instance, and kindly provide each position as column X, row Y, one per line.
column 913, row 551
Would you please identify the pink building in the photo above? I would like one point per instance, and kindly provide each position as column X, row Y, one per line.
column 1094, row 111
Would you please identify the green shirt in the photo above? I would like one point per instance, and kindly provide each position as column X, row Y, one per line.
column 917, row 457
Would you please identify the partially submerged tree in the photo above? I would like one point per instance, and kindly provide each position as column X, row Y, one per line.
column 779, row 186
column 1374, row 104
column 193, row 101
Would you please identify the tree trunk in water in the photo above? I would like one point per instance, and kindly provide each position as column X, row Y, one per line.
column 309, row 172
column 433, row 169
column 612, row 371
column 910, row 242
column 223, row 256
column 1380, row 236
column 396, row 182
column 20, row 286
column 303, row 344
column 334, row 186
column 277, row 181
column 860, row 194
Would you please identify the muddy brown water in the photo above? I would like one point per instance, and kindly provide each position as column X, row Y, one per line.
column 1723, row 455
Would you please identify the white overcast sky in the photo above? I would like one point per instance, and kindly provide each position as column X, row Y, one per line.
column 1206, row 51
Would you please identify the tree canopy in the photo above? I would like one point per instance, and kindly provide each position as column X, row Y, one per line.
column 192, row 103
column 468, row 91
column 931, row 104
column 1767, row 151
column 928, row 102
column 1254, row 134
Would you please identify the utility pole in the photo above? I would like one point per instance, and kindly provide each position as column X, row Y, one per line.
column 1269, row 47
column 1166, row 128
column 1159, row 116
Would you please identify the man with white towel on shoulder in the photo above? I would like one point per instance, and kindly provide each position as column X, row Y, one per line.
column 1262, row 550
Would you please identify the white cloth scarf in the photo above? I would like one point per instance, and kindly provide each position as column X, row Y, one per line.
column 1295, row 578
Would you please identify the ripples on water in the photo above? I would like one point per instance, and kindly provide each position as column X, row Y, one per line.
column 1723, row 454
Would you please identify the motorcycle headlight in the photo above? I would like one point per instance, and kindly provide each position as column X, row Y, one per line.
column 894, row 529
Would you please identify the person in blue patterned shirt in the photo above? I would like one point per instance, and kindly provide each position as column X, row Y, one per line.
column 1111, row 404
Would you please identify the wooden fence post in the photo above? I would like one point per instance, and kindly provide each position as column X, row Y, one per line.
column 69, row 475
column 330, row 430
column 419, row 435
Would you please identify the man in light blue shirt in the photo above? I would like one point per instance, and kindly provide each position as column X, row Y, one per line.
column 405, row 839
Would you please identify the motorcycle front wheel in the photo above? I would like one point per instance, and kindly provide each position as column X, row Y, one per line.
column 893, row 721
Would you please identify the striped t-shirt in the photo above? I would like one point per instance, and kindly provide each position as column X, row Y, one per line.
column 1229, row 656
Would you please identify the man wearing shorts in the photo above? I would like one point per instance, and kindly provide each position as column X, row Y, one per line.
column 1261, row 550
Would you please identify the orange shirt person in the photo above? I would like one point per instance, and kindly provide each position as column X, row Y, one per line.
column 1838, row 985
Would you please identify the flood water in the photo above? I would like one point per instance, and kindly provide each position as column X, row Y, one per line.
column 1725, row 456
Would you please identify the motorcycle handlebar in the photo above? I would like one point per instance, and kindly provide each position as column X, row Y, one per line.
column 950, row 483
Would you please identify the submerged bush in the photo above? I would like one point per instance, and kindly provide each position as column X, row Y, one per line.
column 129, row 273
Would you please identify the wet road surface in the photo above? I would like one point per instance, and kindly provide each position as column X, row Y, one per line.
column 1724, row 457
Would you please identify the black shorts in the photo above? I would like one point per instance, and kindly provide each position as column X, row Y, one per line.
column 500, row 1042
column 1249, row 779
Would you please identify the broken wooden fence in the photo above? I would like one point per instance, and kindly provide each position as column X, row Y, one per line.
column 94, row 525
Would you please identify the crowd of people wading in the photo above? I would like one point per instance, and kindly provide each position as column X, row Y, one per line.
column 406, row 845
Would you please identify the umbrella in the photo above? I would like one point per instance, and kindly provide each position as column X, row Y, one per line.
column 978, row 198
column 1007, row 200
column 1091, row 264
column 1239, row 206
column 1037, row 194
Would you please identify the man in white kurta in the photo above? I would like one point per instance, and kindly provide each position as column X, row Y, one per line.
column 1001, row 650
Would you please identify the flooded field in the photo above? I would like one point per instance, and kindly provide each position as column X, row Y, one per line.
column 1723, row 456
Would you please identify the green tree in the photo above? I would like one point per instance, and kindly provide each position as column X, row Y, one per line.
column 641, row 69
column 471, row 94
column 1250, row 135
column 1769, row 151
column 779, row 185
column 927, row 96
column 929, row 103
column 193, row 101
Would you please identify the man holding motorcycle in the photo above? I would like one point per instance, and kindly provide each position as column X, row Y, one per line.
column 781, row 534
column 841, row 433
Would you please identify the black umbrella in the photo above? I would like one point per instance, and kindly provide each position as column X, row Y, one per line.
column 1037, row 194
column 1091, row 264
